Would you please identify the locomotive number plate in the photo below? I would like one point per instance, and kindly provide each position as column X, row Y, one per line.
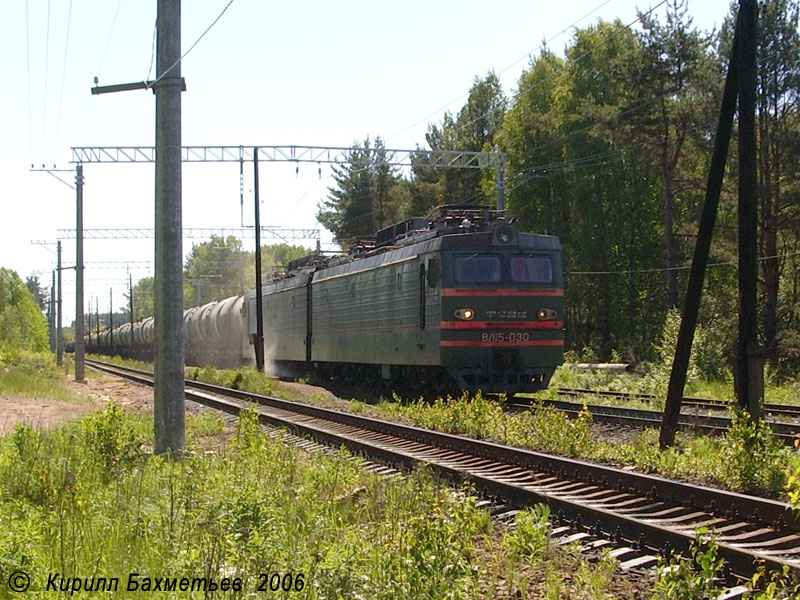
column 511, row 336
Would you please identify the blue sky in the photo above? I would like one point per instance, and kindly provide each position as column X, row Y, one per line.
column 268, row 73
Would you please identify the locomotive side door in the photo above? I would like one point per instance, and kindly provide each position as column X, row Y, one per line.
column 428, row 298
column 421, row 298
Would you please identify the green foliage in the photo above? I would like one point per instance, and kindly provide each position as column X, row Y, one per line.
column 543, row 428
column 214, row 270
column 754, row 460
column 143, row 298
column 260, row 506
column 204, row 424
column 111, row 436
column 773, row 585
column 244, row 378
column 751, row 458
column 23, row 327
column 596, row 579
column 362, row 201
column 608, row 148
column 474, row 129
column 531, row 535
column 659, row 372
column 684, row 579
column 38, row 293
column 793, row 487
column 221, row 268
column 36, row 377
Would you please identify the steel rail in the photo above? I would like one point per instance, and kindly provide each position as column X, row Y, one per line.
column 788, row 433
column 704, row 403
column 646, row 511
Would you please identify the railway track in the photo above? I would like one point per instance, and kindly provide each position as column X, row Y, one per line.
column 701, row 423
column 784, row 410
column 642, row 514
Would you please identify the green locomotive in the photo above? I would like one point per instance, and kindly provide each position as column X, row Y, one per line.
column 461, row 299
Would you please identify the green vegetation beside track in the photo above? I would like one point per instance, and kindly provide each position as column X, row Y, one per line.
column 88, row 503
column 748, row 458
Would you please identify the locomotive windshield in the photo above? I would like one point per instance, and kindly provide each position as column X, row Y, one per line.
column 478, row 269
column 494, row 268
column 531, row 269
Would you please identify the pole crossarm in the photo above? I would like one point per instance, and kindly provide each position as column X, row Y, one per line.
column 453, row 159
column 53, row 172
column 194, row 233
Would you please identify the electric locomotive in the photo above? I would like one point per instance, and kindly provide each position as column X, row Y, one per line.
column 460, row 299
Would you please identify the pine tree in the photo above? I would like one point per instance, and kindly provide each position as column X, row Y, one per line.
column 363, row 199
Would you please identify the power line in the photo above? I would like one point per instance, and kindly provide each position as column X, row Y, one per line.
column 568, row 65
column 152, row 50
column 28, row 55
column 214, row 22
column 544, row 44
column 599, row 157
column 108, row 41
column 46, row 69
column 608, row 119
column 63, row 75
column 686, row 268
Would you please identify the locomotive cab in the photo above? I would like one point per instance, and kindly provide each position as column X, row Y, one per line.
column 502, row 307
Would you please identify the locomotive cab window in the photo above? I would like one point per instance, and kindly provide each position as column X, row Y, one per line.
column 478, row 269
column 531, row 269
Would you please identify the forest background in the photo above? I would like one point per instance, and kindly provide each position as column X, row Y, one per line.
column 608, row 148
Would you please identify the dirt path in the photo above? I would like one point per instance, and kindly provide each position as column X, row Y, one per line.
column 45, row 413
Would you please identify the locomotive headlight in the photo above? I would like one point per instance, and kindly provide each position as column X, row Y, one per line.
column 547, row 314
column 505, row 234
column 465, row 314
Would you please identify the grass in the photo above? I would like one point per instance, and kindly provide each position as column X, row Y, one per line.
column 35, row 378
column 89, row 500
column 652, row 380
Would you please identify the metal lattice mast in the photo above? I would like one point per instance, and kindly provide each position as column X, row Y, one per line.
column 450, row 159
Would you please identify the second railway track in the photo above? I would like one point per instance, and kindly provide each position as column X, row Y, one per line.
column 771, row 408
column 645, row 512
column 701, row 423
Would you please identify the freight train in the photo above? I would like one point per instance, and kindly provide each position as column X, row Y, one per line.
column 460, row 299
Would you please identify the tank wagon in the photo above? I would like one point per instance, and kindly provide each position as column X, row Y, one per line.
column 460, row 299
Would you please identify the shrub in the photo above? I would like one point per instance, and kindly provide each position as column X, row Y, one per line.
column 752, row 456
column 111, row 438
column 683, row 579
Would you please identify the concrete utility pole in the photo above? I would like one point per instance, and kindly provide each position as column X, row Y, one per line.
column 59, row 330
column 170, row 426
column 79, row 367
column 51, row 314
column 259, row 344
column 130, row 300
column 111, row 318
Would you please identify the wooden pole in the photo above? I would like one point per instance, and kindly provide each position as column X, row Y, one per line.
column 683, row 348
